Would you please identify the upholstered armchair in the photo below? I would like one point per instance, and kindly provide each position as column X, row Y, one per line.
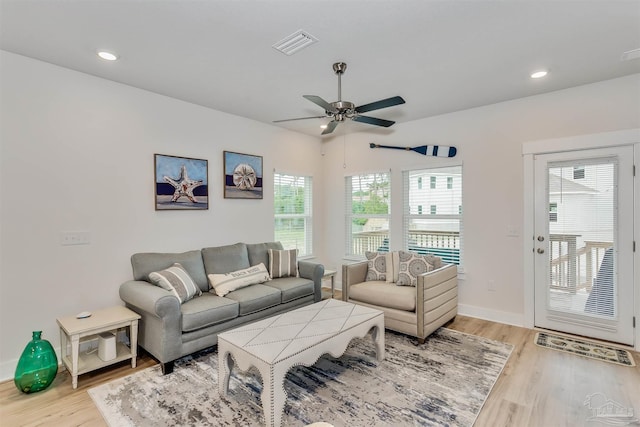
column 413, row 310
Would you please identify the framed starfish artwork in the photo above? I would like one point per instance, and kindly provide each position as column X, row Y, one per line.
column 242, row 176
column 181, row 183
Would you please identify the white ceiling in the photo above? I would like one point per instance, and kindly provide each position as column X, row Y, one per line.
column 440, row 56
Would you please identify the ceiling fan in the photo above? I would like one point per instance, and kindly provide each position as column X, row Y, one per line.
column 340, row 110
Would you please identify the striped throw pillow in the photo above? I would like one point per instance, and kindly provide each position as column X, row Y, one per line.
column 176, row 280
column 222, row 284
column 283, row 263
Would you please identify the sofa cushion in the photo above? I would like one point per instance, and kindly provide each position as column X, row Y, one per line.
column 148, row 262
column 292, row 287
column 283, row 263
column 379, row 266
column 259, row 252
column 223, row 259
column 176, row 280
column 411, row 266
column 385, row 295
column 222, row 284
column 255, row 298
column 207, row 310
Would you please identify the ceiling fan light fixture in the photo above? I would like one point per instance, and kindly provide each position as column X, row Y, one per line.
column 295, row 42
column 107, row 56
column 539, row 74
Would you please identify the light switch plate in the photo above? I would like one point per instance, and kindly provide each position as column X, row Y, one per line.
column 68, row 238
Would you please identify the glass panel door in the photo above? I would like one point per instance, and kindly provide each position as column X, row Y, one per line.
column 583, row 246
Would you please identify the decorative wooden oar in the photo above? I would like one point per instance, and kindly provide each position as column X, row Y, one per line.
column 425, row 150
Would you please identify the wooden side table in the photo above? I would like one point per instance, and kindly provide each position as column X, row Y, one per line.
column 73, row 330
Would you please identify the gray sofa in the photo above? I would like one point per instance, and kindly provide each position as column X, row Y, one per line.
column 169, row 330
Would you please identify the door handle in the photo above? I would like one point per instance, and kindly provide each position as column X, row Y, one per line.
column 540, row 251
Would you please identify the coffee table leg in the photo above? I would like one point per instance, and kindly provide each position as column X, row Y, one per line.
column 225, row 365
column 378, row 338
column 273, row 395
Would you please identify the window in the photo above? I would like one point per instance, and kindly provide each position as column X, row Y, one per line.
column 439, row 231
column 419, row 209
column 292, row 212
column 419, row 183
column 578, row 172
column 367, row 213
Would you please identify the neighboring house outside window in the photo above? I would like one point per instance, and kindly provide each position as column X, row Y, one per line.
column 292, row 202
column 439, row 231
column 367, row 213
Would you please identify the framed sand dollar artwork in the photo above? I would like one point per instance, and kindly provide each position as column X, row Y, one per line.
column 242, row 176
column 181, row 183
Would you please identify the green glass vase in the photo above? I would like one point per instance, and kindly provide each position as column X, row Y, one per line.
column 37, row 366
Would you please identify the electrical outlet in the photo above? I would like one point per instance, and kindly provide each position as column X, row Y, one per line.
column 68, row 238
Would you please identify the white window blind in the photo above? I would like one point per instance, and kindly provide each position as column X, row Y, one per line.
column 292, row 212
column 437, row 230
column 582, row 234
column 367, row 213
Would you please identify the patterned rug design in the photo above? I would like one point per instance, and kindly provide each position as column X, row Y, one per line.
column 585, row 348
column 443, row 382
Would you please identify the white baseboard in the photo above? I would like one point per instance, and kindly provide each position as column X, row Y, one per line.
column 508, row 318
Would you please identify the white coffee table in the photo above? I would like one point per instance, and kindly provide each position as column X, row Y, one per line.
column 298, row 337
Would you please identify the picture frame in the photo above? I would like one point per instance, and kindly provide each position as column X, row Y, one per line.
column 181, row 183
column 242, row 176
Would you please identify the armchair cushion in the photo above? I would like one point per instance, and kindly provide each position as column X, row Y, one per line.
column 176, row 280
column 384, row 294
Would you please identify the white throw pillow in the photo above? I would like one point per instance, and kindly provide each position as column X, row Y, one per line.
column 222, row 284
column 176, row 280
column 283, row 263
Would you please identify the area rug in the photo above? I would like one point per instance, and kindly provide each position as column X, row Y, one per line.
column 443, row 382
column 590, row 349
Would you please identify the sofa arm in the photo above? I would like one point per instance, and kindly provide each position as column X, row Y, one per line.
column 159, row 328
column 149, row 298
column 351, row 275
column 313, row 271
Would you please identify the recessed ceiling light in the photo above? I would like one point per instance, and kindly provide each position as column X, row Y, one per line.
column 107, row 56
column 538, row 74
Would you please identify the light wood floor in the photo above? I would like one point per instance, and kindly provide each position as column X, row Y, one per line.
column 538, row 387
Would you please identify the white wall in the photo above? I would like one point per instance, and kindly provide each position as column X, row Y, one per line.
column 489, row 141
column 76, row 154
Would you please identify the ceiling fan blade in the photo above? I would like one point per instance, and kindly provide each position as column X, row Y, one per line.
column 383, row 103
column 330, row 127
column 321, row 102
column 373, row 121
column 299, row 118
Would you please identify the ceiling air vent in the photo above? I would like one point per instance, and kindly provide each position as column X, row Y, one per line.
column 295, row 42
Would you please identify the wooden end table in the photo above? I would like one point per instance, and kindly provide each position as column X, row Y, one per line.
column 73, row 330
